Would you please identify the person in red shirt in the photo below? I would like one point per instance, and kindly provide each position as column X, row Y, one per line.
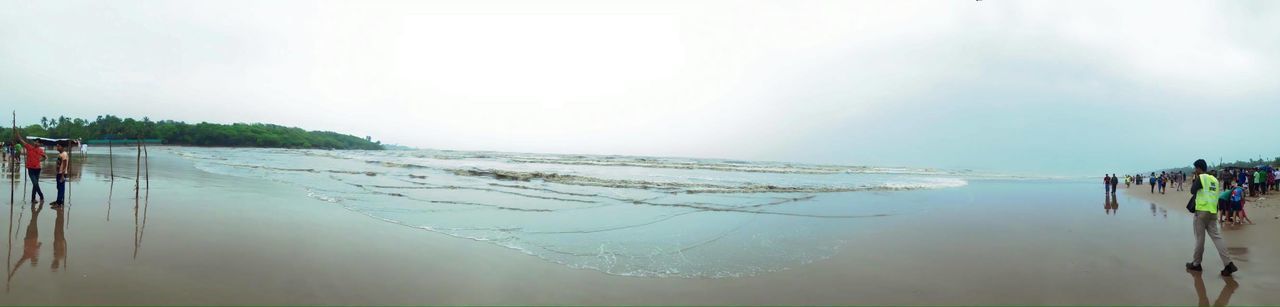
column 35, row 155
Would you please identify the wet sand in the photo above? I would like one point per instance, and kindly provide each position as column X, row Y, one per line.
column 200, row 238
column 1247, row 242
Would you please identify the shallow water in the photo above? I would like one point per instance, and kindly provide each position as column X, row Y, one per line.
column 249, row 234
column 633, row 216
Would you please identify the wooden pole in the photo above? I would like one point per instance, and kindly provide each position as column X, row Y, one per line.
column 111, row 190
column 135, row 228
column 66, row 185
column 147, row 159
column 111, row 160
column 137, row 178
column 13, row 187
column 21, row 173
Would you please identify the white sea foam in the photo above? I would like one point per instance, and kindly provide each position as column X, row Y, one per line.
column 622, row 215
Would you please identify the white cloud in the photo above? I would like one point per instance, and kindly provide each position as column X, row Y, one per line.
column 783, row 80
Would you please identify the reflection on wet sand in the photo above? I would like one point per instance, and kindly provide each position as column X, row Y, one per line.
column 140, row 228
column 1111, row 204
column 59, row 240
column 30, row 244
column 13, row 184
column 1224, row 296
column 144, row 171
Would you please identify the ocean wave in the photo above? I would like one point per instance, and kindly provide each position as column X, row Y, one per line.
column 726, row 167
column 716, row 222
column 307, row 170
column 730, row 166
column 695, row 188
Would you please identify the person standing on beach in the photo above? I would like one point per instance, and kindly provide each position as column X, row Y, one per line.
column 1204, row 204
column 1115, row 183
column 1106, row 183
column 1258, row 179
column 35, row 155
column 1163, row 179
column 1128, row 179
column 1152, row 181
column 64, row 160
column 1275, row 179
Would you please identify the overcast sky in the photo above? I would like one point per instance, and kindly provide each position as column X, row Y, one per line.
column 1059, row 87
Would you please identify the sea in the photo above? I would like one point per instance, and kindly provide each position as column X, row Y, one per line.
column 621, row 215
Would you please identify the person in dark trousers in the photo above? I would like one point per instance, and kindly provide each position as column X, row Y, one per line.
column 1152, row 179
column 1115, row 183
column 35, row 155
column 64, row 160
column 1204, row 204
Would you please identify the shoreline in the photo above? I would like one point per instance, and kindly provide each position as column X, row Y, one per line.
column 205, row 238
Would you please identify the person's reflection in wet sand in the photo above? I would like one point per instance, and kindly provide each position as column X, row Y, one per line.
column 1224, row 296
column 9, row 251
column 59, row 240
column 1112, row 203
column 1115, row 205
column 31, row 244
column 1106, row 205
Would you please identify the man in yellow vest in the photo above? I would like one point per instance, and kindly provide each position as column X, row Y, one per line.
column 1204, row 204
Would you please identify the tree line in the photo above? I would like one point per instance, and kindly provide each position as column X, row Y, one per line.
column 1250, row 163
column 202, row 134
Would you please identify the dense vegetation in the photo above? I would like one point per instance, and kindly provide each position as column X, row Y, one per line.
column 201, row 134
column 1251, row 163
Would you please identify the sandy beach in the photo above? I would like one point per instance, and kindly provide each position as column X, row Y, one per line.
column 1264, row 210
column 1248, row 243
column 201, row 238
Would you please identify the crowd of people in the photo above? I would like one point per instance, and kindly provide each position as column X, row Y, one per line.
column 10, row 152
column 1237, row 184
column 1218, row 197
column 1158, row 182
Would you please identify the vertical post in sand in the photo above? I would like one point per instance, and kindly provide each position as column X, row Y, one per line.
column 13, row 187
column 67, row 184
column 20, row 171
column 111, row 189
column 111, row 160
column 137, row 178
column 147, row 159
column 135, row 228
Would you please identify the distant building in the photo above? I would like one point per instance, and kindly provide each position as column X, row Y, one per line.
column 48, row 144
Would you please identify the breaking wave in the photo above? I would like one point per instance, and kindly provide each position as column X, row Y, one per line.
column 631, row 216
column 688, row 187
